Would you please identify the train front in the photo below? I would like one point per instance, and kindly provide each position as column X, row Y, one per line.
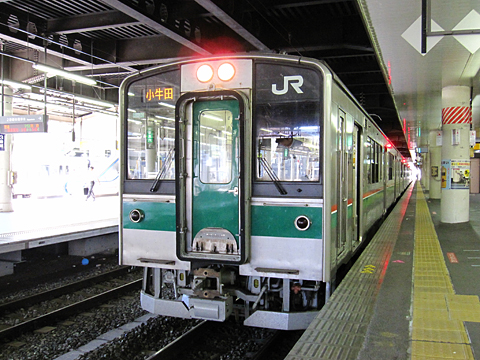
column 222, row 190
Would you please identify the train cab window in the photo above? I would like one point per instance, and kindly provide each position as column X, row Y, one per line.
column 288, row 153
column 151, row 126
column 287, row 130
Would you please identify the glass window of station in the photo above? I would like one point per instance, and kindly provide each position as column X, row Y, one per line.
column 287, row 124
column 151, row 126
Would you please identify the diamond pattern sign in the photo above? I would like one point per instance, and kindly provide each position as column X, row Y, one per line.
column 471, row 42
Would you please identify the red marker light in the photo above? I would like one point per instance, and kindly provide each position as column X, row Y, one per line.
column 226, row 72
column 204, row 73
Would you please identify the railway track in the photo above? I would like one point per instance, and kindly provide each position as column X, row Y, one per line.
column 93, row 291
column 212, row 340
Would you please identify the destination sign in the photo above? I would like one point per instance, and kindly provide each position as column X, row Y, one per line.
column 160, row 93
column 23, row 124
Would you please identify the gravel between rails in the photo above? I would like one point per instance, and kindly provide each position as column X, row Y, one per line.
column 98, row 264
column 75, row 332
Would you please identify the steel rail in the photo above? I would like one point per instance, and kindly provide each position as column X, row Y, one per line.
column 68, row 311
column 62, row 290
column 171, row 351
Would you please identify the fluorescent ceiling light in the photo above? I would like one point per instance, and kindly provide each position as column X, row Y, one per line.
column 164, row 118
column 167, row 105
column 16, row 85
column 94, row 101
column 65, row 74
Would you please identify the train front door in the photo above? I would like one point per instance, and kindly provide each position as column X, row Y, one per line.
column 210, row 224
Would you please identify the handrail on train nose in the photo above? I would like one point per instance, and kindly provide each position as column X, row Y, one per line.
column 234, row 191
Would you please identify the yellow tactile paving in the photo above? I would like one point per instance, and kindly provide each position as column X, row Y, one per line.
column 432, row 314
column 437, row 350
column 429, row 304
column 451, row 336
column 437, row 324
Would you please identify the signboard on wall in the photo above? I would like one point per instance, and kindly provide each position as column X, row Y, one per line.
column 2, row 142
column 455, row 174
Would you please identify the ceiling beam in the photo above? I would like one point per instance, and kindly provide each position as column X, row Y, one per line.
column 57, row 50
column 89, row 22
column 147, row 20
column 232, row 24
column 38, row 45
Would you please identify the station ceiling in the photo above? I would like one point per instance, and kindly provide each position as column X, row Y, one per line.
column 361, row 40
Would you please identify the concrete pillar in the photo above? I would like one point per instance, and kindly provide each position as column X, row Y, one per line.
column 435, row 153
column 456, row 119
column 5, row 155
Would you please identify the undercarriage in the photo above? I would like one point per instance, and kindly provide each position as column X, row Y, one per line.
column 218, row 292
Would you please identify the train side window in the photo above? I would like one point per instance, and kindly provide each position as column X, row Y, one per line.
column 150, row 126
column 390, row 166
column 373, row 159
column 378, row 159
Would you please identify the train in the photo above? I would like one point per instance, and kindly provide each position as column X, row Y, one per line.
column 247, row 181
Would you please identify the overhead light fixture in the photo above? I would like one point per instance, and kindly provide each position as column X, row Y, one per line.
column 164, row 118
column 15, row 84
column 171, row 106
column 65, row 74
column 94, row 101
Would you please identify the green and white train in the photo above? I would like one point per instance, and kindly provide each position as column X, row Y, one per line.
column 246, row 182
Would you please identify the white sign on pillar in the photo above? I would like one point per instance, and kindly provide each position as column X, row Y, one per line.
column 439, row 138
column 455, row 137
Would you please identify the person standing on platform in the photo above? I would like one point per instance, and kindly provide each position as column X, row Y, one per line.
column 91, row 182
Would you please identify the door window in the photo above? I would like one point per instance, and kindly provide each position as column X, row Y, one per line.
column 215, row 146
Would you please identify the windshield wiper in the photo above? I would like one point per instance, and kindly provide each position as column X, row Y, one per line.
column 163, row 170
column 271, row 173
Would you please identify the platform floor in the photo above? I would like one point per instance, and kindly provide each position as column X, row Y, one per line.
column 412, row 294
column 36, row 222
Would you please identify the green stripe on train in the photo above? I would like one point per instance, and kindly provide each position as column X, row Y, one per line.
column 334, row 216
column 278, row 221
column 273, row 221
column 374, row 198
column 158, row 216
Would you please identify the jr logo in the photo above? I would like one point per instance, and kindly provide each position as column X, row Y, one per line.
column 295, row 80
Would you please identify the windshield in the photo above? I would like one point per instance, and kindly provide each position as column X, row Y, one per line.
column 287, row 120
column 151, row 126
column 288, row 140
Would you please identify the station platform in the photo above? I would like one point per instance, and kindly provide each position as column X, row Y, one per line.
column 412, row 294
column 41, row 222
